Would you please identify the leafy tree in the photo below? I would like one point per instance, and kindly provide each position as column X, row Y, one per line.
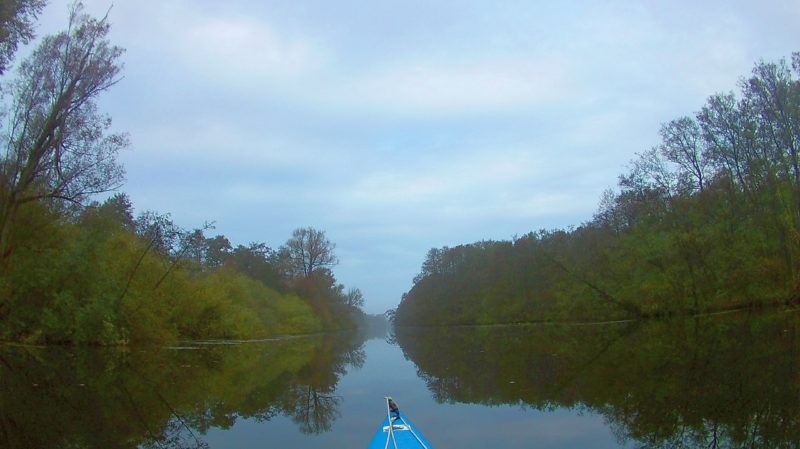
column 75, row 274
column 308, row 250
column 727, row 133
column 683, row 145
column 708, row 219
column 218, row 250
column 258, row 261
column 354, row 298
column 56, row 145
column 120, row 209
column 16, row 26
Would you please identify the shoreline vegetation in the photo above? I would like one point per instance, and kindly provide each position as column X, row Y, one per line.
column 793, row 307
column 111, row 281
column 707, row 220
column 78, row 271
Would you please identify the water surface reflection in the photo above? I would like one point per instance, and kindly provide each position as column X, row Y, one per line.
column 111, row 398
column 706, row 382
column 730, row 381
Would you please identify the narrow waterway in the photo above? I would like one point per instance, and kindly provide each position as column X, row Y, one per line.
column 724, row 381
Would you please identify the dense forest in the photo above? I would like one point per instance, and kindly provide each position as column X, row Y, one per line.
column 706, row 220
column 78, row 267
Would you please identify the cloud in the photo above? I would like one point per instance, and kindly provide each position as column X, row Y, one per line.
column 245, row 49
column 431, row 181
column 221, row 144
column 481, row 86
column 411, row 125
column 476, row 187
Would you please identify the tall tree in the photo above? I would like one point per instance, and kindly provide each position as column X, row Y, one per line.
column 56, row 145
column 728, row 133
column 774, row 97
column 307, row 250
column 258, row 261
column 16, row 26
column 682, row 144
column 218, row 250
column 353, row 298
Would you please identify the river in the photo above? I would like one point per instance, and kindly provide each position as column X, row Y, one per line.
column 726, row 381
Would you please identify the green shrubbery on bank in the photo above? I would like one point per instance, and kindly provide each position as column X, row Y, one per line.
column 74, row 271
column 707, row 220
column 90, row 278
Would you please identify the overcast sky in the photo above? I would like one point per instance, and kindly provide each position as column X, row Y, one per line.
column 399, row 126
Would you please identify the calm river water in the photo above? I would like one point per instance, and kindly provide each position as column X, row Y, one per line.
column 724, row 381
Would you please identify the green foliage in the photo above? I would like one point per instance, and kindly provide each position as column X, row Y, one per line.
column 16, row 27
column 91, row 280
column 95, row 275
column 707, row 220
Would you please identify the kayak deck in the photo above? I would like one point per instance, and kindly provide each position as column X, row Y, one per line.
column 403, row 435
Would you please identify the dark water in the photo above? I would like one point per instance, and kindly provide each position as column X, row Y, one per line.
column 730, row 381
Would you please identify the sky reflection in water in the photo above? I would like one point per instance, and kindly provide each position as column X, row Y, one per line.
column 728, row 380
column 388, row 372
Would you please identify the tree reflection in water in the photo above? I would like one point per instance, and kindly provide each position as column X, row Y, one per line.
column 167, row 398
column 730, row 381
column 727, row 381
column 312, row 410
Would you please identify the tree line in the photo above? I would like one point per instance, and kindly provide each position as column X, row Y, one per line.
column 77, row 270
column 708, row 219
